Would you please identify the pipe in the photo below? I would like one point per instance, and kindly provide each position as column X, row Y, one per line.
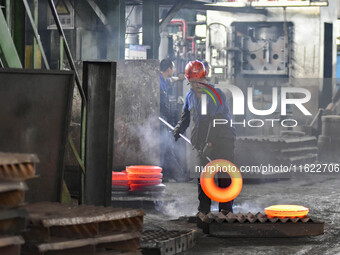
column 61, row 52
column 184, row 25
column 35, row 46
column 67, row 48
column 184, row 137
column 172, row 128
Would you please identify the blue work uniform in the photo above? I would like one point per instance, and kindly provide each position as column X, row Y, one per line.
column 222, row 137
column 164, row 97
column 202, row 131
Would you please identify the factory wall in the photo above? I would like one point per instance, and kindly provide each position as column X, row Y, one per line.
column 136, row 132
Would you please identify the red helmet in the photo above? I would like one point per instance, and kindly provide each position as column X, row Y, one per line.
column 195, row 70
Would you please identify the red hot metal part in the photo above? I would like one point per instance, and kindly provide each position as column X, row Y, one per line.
column 143, row 169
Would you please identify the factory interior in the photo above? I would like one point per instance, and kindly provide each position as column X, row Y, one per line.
column 117, row 115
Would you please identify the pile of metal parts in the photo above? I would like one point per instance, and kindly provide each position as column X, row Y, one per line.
column 292, row 147
column 14, row 170
column 166, row 242
column 55, row 228
column 329, row 141
column 257, row 225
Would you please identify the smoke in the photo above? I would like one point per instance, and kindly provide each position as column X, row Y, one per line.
column 248, row 206
column 148, row 141
column 177, row 208
column 181, row 207
column 156, row 145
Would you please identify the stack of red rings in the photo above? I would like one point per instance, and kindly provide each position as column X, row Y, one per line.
column 141, row 177
column 119, row 179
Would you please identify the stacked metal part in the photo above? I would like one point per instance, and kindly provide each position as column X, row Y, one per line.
column 329, row 140
column 120, row 181
column 14, row 170
column 88, row 230
column 145, row 178
column 138, row 178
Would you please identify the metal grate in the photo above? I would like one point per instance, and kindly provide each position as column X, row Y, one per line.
column 167, row 242
column 248, row 218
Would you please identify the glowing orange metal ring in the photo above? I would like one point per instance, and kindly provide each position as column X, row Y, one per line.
column 283, row 211
column 214, row 192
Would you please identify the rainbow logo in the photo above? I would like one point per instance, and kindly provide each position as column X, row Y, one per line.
column 208, row 92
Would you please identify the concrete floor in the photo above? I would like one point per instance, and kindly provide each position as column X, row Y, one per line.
column 321, row 196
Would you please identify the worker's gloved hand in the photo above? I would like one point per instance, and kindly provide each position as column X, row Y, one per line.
column 181, row 76
column 207, row 150
column 176, row 134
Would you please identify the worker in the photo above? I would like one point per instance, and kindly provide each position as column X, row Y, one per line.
column 167, row 69
column 167, row 78
column 213, row 142
column 207, row 67
column 169, row 162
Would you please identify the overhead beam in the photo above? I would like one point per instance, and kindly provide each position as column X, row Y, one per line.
column 200, row 6
column 172, row 12
column 98, row 12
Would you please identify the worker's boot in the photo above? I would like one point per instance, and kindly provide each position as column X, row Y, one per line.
column 226, row 212
column 226, row 208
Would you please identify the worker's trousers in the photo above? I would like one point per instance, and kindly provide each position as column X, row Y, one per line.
column 221, row 149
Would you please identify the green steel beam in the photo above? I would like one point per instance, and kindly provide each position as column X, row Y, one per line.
column 19, row 30
column 8, row 15
column 10, row 56
column 151, row 27
column 1, row 58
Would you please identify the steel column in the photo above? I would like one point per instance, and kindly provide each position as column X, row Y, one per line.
column 151, row 27
column 115, row 13
column 100, row 89
column 19, row 28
